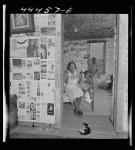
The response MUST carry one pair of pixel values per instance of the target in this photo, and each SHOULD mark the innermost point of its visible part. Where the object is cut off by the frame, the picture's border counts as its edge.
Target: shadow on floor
(17, 135)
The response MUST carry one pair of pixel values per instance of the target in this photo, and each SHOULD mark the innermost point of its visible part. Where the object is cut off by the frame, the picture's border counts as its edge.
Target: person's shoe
(80, 112)
(76, 111)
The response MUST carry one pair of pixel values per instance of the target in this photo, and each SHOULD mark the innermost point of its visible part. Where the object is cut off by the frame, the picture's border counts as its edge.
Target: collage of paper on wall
(32, 71)
(76, 51)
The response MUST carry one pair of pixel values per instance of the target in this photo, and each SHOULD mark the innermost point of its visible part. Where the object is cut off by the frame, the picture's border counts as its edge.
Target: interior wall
(97, 51)
(77, 52)
(81, 53)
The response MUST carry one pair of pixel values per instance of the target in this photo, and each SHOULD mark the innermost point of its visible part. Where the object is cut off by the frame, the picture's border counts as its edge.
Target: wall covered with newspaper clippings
(32, 71)
(76, 51)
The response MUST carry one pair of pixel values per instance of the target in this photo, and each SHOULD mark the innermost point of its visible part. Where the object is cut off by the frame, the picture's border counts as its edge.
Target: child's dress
(84, 85)
(72, 89)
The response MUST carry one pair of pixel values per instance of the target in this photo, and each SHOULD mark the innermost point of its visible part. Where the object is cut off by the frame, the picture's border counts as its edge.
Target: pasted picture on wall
(51, 69)
(43, 51)
(51, 16)
(21, 105)
(17, 76)
(30, 66)
(43, 47)
(51, 23)
(36, 75)
(47, 31)
(50, 109)
(29, 76)
(33, 48)
(16, 63)
(33, 111)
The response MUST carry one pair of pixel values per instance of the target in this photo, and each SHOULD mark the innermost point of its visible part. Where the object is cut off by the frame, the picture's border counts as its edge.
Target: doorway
(100, 115)
(103, 99)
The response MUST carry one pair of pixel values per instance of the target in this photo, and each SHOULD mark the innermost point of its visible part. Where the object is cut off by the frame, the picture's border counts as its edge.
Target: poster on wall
(13, 43)
(31, 111)
(51, 47)
(50, 109)
(44, 90)
(22, 90)
(51, 68)
(21, 110)
(21, 42)
(47, 31)
(38, 89)
(43, 69)
(37, 111)
(43, 48)
(36, 66)
(28, 87)
(18, 47)
(51, 23)
(16, 63)
(28, 112)
(31, 87)
(33, 47)
(43, 111)
(51, 16)
(18, 53)
(19, 66)
(29, 65)
(36, 75)
(17, 76)
(51, 90)
(43, 20)
(37, 25)
(14, 87)
(30, 76)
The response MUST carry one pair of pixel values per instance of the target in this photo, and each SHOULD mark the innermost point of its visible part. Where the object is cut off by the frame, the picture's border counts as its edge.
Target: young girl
(86, 84)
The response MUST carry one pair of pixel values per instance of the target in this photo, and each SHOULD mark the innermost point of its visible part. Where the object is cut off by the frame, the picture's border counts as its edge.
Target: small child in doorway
(86, 84)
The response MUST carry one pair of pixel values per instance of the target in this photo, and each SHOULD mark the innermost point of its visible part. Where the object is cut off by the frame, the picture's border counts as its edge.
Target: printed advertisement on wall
(21, 110)
(33, 47)
(18, 47)
(43, 48)
(51, 69)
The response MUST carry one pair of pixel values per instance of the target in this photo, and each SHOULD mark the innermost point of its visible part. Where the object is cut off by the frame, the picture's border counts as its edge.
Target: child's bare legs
(77, 103)
(84, 91)
(90, 92)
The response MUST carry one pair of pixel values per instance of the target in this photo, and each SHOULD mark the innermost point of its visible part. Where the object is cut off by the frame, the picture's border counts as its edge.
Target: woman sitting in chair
(71, 78)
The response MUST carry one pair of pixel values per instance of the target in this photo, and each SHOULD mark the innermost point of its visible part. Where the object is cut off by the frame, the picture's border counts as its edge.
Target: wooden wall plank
(122, 75)
(58, 72)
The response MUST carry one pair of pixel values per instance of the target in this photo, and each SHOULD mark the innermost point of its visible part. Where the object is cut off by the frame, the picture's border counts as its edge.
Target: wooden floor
(102, 104)
(98, 120)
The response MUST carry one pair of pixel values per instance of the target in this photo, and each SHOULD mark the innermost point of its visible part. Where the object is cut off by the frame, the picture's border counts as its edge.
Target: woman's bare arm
(79, 77)
(66, 77)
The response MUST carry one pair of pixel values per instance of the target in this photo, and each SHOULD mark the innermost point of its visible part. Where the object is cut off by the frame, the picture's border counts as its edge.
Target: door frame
(116, 124)
(104, 52)
(104, 58)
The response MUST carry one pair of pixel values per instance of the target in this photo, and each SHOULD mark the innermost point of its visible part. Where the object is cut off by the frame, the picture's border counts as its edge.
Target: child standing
(86, 84)
(94, 70)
